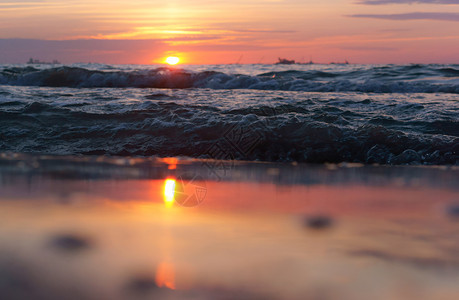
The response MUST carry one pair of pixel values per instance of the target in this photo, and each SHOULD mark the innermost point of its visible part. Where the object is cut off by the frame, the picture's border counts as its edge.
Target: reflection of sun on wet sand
(165, 276)
(350, 233)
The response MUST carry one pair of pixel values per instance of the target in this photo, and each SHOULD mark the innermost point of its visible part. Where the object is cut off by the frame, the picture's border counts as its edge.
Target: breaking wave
(375, 79)
(386, 114)
(269, 133)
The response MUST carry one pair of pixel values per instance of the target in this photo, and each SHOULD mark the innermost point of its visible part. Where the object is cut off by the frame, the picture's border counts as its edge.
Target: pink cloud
(436, 16)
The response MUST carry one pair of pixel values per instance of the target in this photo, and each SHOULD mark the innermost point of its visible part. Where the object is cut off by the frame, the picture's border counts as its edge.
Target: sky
(237, 31)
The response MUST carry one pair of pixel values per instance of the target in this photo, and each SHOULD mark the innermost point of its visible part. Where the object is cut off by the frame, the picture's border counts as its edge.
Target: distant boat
(340, 63)
(32, 61)
(284, 61)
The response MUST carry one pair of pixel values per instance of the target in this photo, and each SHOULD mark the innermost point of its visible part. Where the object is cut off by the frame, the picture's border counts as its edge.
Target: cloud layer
(437, 16)
(382, 2)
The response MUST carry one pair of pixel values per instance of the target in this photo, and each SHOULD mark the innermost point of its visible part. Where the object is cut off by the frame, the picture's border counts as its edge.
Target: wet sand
(100, 228)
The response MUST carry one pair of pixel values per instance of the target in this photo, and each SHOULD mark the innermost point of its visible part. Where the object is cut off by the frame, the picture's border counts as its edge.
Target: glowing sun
(172, 60)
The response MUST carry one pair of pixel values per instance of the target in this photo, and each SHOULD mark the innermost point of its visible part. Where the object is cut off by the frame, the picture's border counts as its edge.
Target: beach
(107, 228)
(229, 150)
(229, 182)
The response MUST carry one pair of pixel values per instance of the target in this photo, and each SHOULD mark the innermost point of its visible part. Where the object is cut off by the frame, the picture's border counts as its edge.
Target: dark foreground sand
(100, 228)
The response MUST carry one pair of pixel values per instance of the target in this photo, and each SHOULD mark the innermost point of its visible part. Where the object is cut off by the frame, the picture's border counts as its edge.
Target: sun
(172, 60)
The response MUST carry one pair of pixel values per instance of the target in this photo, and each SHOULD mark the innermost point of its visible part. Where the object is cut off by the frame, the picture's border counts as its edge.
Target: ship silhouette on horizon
(33, 61)
(284, 61)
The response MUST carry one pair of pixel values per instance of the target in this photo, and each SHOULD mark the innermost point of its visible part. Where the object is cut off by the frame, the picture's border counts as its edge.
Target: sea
(229, 182)
(311, 113)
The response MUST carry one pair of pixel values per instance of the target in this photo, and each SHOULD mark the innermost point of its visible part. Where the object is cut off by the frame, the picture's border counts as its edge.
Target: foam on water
(271, 125)
(323, 78)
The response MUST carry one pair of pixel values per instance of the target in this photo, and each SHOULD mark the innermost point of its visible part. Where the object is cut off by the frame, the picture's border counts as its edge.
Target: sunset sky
(245, 31)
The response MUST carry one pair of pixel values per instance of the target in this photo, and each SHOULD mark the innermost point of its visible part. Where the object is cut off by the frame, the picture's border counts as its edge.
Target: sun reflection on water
(169, 191)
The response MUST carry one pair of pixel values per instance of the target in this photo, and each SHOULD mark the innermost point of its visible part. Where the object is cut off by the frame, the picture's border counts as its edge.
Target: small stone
(70, 243)
(318, 222)
(142, 284)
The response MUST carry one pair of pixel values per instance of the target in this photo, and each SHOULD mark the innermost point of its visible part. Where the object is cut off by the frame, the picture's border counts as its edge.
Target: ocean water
(385, 114)
(87, 180)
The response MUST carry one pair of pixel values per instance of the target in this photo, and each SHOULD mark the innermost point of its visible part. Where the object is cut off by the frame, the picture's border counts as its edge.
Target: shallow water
(109, 228)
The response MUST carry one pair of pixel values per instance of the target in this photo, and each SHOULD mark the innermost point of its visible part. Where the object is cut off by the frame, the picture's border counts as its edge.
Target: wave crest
(400, 79)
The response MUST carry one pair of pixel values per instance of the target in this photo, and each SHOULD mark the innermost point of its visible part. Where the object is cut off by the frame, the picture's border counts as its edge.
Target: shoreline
(165, 228)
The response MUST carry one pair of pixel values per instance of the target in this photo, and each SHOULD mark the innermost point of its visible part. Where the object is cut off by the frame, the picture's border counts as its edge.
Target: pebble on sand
(70, 242)
(142, 284)
(318, 222)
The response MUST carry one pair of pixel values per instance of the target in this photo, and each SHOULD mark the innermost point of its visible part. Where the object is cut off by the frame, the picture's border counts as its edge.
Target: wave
(263, 133)
(378, 79)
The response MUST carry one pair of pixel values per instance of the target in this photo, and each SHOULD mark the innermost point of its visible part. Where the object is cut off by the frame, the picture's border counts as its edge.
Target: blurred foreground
(107, 228)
